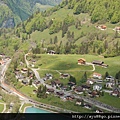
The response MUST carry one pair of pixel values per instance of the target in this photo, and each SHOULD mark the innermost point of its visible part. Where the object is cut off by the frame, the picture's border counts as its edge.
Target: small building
(63, 76)
(102, 27)
(50, 90)
(85, 87)
(48, 76)
(116, 92)
(90, 82)
(81, 61)
(117, 29)
(52, 52)
(56, 83)
(60, 93)
(110, 78)
(24, 70)
(97, 62)
(78, 90)
(69, 97)
(94, 93)
(79, 101)
(71, 84)
(88, 106)
(97, 75)
(97, 87)
(25, 82)
(110, 84)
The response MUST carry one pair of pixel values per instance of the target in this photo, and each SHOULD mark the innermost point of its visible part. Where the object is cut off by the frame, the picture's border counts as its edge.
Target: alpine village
(62, 56)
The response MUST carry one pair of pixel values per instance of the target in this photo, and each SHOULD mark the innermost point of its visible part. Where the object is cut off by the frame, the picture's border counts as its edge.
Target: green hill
(69, 30)
(14, 11)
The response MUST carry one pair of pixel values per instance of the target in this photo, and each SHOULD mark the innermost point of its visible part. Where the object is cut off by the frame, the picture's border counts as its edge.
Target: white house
(97, 87)
(110, 85)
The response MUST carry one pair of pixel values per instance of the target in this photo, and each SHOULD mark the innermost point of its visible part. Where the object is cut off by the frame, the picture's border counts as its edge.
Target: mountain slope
(15, 11)
(68, 28)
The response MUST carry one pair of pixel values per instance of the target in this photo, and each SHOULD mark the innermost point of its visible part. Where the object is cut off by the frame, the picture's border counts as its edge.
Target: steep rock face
(13, 12)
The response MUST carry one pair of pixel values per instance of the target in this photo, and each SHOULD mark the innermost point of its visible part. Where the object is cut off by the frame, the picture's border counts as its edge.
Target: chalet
(63, 76)
(102, 27)
(20, 77)
(116, 92)
(24, 70)
(110, 78)
(78, 90)
(110, 84)
(97, 75)
(50, 90)
(48, 76)
(34, 91)
(69, 97)
(36, 82)
(81, 61)
(64, 88)
(52, 52)
(99, 111)
(97, 87)
(87, 106)
(90, 82)
(117, 29)
(71, 84)
(60, 93)
(93, 93)
(97, 62)
(85, 87)
(79, 101)
(25, 82)
(56, 83)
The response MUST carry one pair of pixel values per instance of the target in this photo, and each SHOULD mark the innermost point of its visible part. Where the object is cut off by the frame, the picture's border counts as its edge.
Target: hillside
(67, 31)
(14, 11)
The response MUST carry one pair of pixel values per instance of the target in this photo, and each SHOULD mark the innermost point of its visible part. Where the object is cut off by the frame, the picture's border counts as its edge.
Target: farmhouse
(116, 92)
(24, 70)
(78, 90)
(56, 83)
(90, 82)
(50, 90)
(97, 62)
(79, 101)
(66, 75)
(48, 76)
(81, 61)
(52, 52)
(97, 75)
(102, 27)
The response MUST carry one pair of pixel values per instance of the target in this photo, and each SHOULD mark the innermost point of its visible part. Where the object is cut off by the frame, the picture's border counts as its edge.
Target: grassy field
(1, 107)
(55, 101)
(28, 90)
(68, 64)
(110, 100)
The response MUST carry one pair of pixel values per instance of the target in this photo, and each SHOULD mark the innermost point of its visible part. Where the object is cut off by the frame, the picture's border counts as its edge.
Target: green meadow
(68, 64)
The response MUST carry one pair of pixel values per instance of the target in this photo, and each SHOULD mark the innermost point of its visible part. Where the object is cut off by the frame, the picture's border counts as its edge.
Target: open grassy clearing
(27, 90)
(110, 100)
(68, 63)
(1, 107)
(52, 100)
